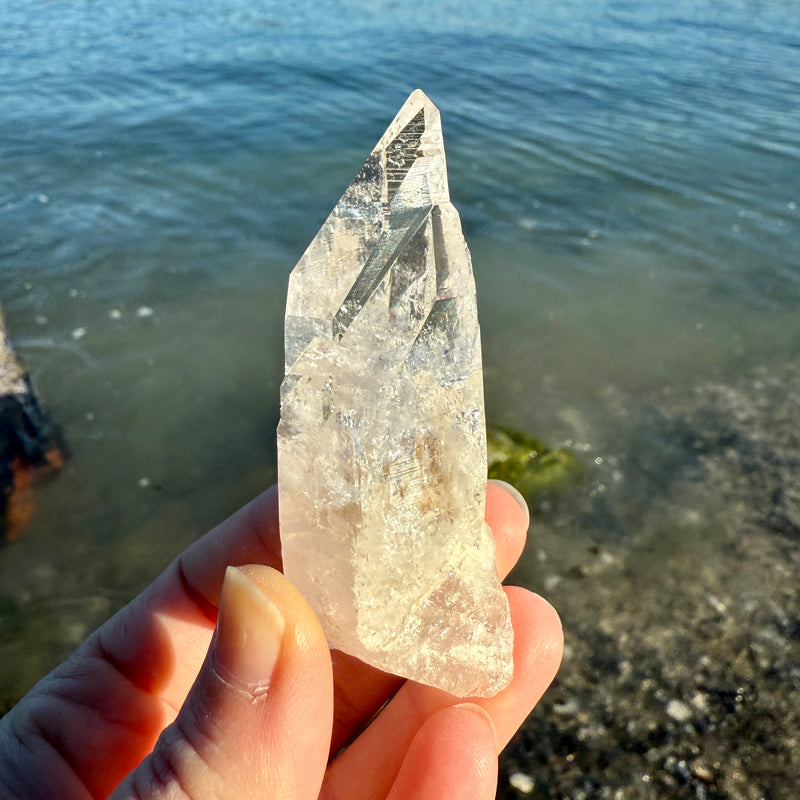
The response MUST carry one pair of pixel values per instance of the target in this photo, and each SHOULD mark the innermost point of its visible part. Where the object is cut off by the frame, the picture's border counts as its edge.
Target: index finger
(252, 536)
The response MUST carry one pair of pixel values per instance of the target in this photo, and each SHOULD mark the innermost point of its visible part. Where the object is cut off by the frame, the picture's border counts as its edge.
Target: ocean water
(628, 175)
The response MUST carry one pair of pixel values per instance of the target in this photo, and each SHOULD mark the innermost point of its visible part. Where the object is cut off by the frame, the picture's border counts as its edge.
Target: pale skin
(173, 698)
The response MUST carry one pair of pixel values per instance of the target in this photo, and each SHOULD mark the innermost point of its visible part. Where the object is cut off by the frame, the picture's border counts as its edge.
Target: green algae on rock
(527, 463)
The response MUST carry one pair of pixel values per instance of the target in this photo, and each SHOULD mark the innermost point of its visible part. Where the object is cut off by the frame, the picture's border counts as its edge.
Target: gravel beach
(682, 618)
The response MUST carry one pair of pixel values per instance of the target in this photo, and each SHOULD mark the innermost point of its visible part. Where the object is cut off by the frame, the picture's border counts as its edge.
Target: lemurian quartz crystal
(381, 442)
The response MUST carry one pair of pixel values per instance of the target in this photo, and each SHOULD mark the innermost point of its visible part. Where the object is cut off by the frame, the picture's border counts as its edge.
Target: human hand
(218, 684)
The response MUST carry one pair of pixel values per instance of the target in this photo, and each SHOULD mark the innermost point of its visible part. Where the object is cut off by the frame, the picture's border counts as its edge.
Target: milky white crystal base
(381, 443)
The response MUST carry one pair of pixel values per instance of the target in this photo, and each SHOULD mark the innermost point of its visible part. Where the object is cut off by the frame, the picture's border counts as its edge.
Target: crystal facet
(381, 443)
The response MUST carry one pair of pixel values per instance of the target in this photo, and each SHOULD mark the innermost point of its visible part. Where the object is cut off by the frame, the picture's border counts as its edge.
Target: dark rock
(30, 442)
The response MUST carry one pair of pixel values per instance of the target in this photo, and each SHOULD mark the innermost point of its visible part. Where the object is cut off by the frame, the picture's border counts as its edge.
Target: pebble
(716, 603)
(699, 702)
(679, 711)
(702, 771)
(75, 633)
(607, 559)
(551, 581)
(569, 708)
(521, 781)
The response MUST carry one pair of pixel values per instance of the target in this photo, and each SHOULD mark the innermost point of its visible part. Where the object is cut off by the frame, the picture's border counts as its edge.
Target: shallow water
(628, 175)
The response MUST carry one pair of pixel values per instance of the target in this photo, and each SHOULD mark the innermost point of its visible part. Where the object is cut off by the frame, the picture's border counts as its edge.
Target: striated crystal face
(381, 443)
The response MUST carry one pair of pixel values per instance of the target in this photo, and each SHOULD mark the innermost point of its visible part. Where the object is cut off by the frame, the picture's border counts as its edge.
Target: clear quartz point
(382, 442)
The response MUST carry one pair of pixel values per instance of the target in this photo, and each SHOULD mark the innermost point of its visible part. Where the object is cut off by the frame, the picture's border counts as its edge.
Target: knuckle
(180, 766)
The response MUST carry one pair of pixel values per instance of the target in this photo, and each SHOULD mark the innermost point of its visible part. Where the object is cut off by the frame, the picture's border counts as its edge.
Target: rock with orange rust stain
(30, 442)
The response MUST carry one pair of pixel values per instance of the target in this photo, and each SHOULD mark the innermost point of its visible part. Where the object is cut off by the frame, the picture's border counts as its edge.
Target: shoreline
(686, 684)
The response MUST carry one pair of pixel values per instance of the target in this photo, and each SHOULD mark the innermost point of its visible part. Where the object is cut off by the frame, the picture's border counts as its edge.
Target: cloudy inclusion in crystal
(381, 443)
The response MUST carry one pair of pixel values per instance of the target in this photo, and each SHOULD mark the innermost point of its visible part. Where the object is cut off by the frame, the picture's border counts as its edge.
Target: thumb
(257, 721)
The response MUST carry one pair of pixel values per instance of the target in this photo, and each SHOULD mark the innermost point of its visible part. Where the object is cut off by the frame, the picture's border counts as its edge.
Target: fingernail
(249, 634)
(481, 712)
(514, 492)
